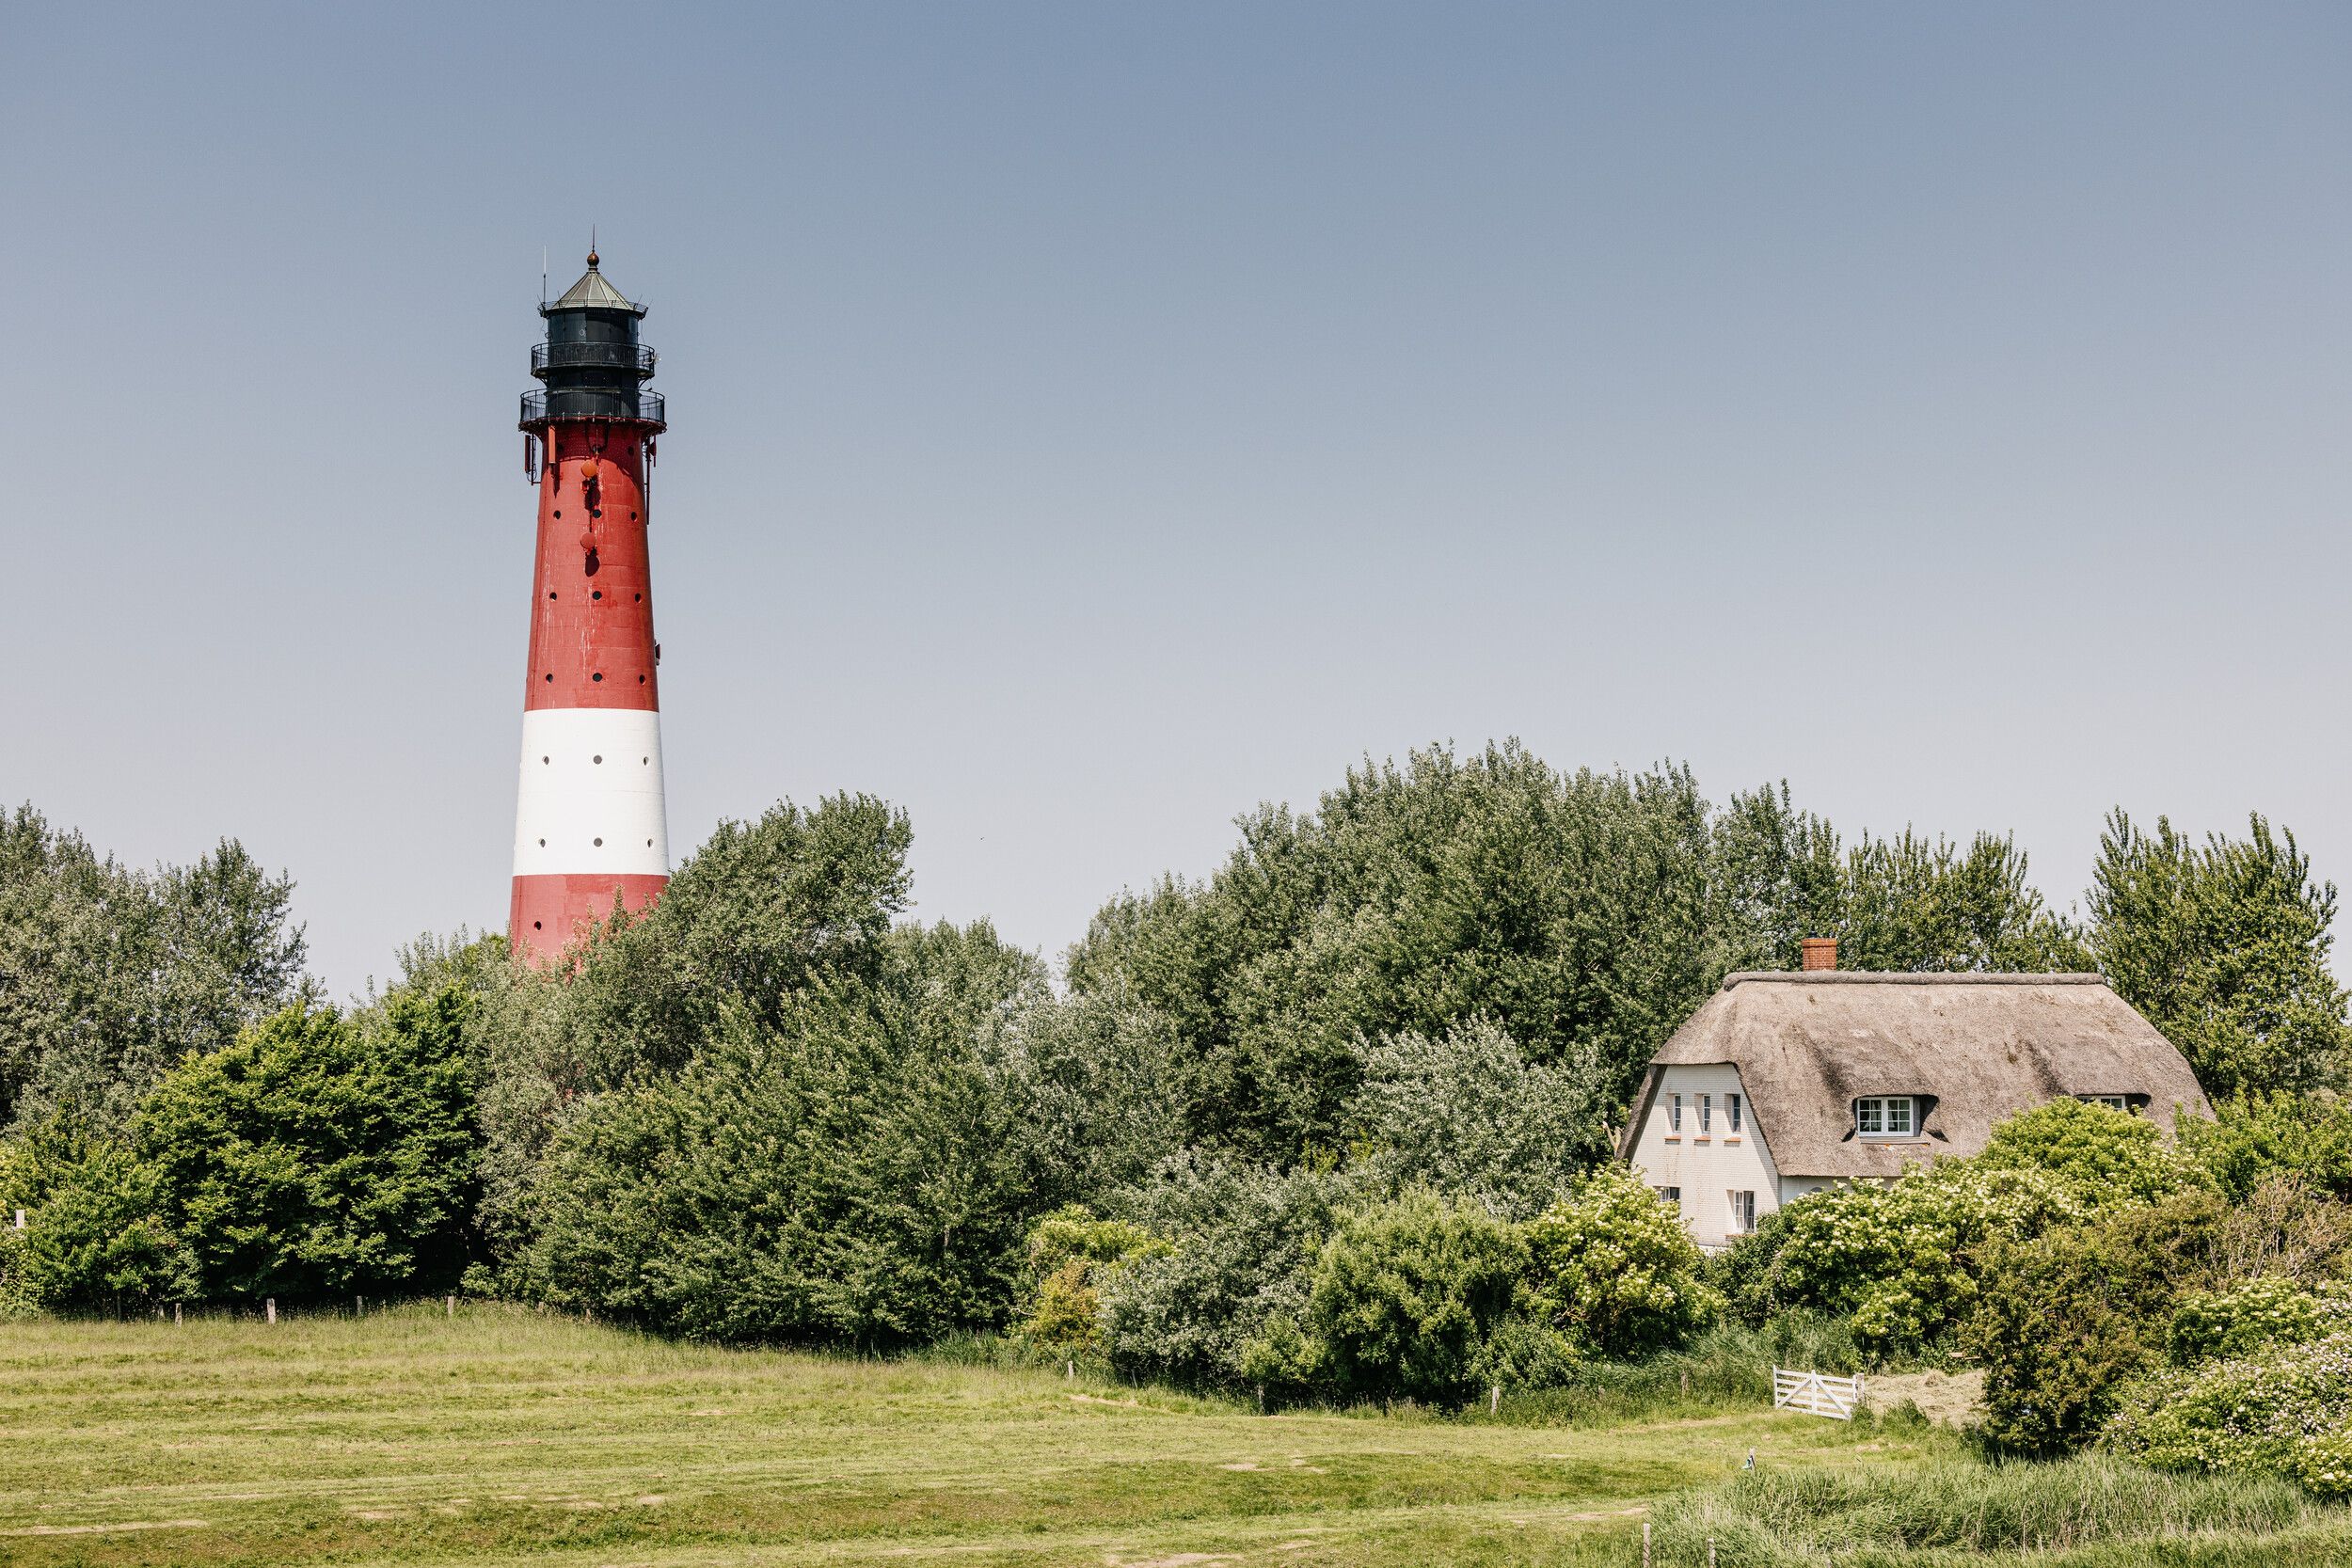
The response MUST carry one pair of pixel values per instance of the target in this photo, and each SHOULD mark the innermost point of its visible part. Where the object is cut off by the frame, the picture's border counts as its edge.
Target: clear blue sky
(1090, 421)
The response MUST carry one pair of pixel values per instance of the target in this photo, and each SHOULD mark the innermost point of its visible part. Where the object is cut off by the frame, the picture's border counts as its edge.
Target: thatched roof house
(1785, 1082)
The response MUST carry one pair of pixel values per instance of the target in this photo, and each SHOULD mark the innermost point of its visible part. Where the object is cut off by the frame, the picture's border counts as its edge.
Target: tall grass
(1727, 1365)
(1962, 1507)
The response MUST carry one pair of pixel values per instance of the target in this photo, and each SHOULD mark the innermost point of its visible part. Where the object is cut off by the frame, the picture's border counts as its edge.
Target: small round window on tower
(598, 594)
(599, 843)
(550, 674)
(536, 927)
(597, 677)
(599, 760)
(550, 592)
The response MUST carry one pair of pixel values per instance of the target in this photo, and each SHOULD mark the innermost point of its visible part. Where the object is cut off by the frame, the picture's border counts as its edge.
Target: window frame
(1882, 1107)
(1732, 1106)
(1706, 1113)
(1742, 1211)
(1674, 1114)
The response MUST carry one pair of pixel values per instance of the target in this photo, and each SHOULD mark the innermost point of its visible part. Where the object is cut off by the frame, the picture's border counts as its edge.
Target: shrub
(17, 1299)
(1747, 1273)
(1069, 1253)
(1405, 1296)
(1245, 1240)
(2108, 1156)
(1899, 1257)
(2064, 1320)
(2286, 1227)
(316, 1158)
(97, 1233)
(1613, 1270)
(2251, 1137)
(2285, 1412)
(2250, 1318)
(856, 1173)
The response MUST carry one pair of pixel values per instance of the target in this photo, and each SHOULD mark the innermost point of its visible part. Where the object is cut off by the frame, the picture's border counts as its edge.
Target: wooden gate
(1817, 1394)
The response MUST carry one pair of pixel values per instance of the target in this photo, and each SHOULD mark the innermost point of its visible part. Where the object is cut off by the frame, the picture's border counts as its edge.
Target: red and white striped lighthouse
(589, 827)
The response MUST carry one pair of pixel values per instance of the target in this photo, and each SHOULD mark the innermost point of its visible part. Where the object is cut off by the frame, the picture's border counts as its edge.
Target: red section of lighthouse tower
(590, 834)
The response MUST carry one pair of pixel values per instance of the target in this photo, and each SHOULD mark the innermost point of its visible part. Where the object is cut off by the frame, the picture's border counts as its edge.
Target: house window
(1742, 1211)
(1706, 1113)
(1885, 1116)
(1669, 1194)
(1731, 1105)
(1673, 1112)
(2112, 1102)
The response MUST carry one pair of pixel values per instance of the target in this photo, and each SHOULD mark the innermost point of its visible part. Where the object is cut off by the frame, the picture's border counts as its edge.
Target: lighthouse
(589, 825)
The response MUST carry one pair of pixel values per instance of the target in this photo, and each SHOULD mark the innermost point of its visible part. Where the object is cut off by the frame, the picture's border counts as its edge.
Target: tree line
(1387, 1039)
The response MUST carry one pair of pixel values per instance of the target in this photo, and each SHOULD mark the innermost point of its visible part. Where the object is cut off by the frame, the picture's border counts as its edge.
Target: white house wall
(1710, 1167)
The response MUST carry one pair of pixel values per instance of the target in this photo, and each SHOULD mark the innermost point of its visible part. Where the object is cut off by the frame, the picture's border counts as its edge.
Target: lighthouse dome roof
(591, 292)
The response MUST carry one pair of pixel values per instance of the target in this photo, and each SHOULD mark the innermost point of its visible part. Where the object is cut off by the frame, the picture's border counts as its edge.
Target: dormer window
(1887, 1116)
(2112, 1102)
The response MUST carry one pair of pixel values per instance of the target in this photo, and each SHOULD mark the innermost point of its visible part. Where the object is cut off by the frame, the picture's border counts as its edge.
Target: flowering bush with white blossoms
(1898, 1257)
(2287, 1411)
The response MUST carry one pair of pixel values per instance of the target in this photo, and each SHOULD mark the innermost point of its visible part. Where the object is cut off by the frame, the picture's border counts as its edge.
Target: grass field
(503, 1436)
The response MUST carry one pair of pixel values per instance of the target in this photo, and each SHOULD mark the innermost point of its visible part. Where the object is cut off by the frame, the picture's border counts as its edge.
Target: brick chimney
(1819, 953)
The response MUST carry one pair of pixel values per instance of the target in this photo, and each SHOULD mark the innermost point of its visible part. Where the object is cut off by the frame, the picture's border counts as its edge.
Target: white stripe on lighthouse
(591, 795)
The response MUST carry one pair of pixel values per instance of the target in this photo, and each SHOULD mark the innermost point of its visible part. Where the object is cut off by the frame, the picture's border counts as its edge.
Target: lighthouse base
(551, 911)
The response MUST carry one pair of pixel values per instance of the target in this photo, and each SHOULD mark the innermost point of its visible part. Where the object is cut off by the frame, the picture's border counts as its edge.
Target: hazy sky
(1090, 420)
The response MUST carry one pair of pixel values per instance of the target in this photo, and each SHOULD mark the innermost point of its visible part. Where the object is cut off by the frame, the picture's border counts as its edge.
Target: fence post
(1646, 1543)
(175, 1314)
(1710, 1552)
(1494, 1400)
(269, 1309)
(20, 1219)
(449, 1307)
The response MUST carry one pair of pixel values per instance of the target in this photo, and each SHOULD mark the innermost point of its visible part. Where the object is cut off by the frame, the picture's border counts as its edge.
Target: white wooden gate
(1837, 1397)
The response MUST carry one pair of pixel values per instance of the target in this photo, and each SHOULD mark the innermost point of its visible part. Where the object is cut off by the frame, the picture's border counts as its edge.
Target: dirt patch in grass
(1949, 1399)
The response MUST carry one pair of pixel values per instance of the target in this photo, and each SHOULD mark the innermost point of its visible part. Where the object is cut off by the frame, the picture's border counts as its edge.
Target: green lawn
(503, 1436)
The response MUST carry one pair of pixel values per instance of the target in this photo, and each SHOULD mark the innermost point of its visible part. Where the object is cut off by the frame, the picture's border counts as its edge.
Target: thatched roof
(1981, 1046)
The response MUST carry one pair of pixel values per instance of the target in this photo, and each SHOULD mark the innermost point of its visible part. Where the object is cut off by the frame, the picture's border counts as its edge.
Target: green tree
(316, 1157)
(1468, 1115)
(1405, 1295)
(1776, 875)
(2064, 1320)
(1244, 1241)
(853, 1170)
(1568, 909)
(2253, 1135)
(2108, 1156)
(98, 1232)
(1910, 904)
(764, 917)
(2225, 947)
(1613, 1270)
(109, 976)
